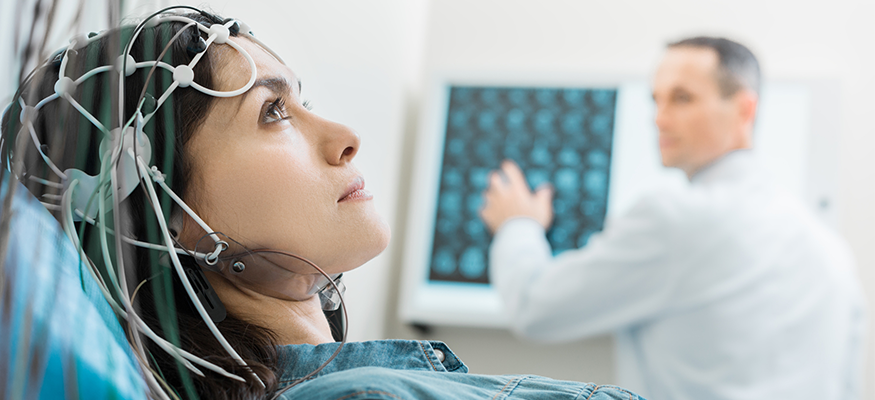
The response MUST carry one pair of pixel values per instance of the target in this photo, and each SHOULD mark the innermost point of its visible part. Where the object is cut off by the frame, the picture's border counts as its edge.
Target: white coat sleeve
(624, 275)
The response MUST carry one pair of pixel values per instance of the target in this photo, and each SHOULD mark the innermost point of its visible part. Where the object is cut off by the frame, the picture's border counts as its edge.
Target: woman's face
(270, 174)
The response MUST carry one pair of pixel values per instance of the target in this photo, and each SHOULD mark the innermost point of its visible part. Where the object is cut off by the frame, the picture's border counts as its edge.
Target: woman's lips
(356, 191)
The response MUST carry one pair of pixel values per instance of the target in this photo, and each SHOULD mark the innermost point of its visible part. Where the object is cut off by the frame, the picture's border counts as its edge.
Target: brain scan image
(558, 135)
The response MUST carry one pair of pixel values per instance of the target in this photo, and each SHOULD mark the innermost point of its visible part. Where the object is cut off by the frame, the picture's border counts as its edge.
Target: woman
(238, 209)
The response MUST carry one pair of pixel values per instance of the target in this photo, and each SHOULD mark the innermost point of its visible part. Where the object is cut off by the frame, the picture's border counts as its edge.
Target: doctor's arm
(623, 276)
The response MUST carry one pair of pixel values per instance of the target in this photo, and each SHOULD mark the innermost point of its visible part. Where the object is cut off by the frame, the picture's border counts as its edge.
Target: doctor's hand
(509, 196)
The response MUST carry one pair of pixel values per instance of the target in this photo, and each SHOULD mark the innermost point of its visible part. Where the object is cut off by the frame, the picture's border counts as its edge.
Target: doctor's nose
(662, 119)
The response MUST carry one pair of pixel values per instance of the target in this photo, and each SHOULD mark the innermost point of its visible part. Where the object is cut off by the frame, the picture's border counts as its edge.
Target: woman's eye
(275, 111)
(307, 105)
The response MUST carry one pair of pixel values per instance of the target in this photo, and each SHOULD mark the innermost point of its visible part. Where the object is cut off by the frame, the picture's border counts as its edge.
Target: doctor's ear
(746, 105)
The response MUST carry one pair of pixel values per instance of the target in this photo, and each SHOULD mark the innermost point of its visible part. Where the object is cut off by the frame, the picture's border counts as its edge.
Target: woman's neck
(293, 322)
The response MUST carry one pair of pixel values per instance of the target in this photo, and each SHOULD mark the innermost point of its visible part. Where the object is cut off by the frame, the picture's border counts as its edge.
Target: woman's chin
(385, 235)
(375, 244)
(369, 248)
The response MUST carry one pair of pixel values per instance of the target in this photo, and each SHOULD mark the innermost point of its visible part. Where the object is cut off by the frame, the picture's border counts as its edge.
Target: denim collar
(298, 360)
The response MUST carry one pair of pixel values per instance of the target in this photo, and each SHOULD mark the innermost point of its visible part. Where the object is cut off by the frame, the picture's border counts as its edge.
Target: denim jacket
(407, 369)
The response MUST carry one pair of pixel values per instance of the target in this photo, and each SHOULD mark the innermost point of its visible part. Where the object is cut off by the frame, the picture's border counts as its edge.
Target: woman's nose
(338, 142)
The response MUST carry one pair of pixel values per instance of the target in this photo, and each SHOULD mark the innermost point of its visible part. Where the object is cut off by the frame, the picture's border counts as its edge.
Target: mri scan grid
(557, 135)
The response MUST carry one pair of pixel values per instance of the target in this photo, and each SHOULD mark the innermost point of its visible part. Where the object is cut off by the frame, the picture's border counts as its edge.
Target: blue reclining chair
(59, 336)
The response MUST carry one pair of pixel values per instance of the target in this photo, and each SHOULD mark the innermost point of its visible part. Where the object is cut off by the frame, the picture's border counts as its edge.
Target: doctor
(727, 289)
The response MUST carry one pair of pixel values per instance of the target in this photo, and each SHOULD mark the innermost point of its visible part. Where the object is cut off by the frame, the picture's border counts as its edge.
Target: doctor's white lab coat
(727, 289)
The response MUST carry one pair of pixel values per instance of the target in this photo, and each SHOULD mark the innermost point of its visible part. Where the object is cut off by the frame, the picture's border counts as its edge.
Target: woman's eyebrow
(278, 85)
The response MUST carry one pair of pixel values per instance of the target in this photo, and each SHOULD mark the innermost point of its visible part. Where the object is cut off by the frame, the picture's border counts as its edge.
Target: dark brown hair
(737, 66)
(71, 141)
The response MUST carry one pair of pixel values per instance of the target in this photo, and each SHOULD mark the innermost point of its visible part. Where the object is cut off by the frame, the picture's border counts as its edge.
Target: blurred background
(368, 64)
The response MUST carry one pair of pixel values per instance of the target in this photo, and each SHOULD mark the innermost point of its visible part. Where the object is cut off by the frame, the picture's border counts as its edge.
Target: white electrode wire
(155, 386)
(117, 151)
(185, 282)
(22, 132)
(157, 176)
(64, 58)
(159, 214)
(98, 191)
(52, 196)
(116, 220)
(178, 18)
(39, 149)
(85, 113)
(6, 111)
(245, 55)
(161, 247)
(138, 243)
(93, 72)
(160, 56)
(155, 19)
(70, 229)
(179, 354)
(75, 104)
(46, 182)
(184, 357)
(262, 45)
(53, 207)
(102, 182)
(120, 259)
(161, 100)
(98, 36)
(46, 100)
(28, 120)
(167, 346)
(159, 179)
(149, 64)
(215, 93)
(79, 42)
(119, 148)
(122, 75)
(104, 245)
(125, 54)
(164, 248)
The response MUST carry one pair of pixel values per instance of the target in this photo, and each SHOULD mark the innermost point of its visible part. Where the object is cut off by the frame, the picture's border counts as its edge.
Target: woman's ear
(176, 222)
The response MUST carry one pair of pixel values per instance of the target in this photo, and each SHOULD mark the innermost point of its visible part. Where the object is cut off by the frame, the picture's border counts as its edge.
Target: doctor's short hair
(737, 67)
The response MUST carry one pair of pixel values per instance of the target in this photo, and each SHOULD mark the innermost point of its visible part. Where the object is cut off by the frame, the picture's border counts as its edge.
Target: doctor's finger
(515, 175)
(492, 197)
(497, 182)
(544, 197)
